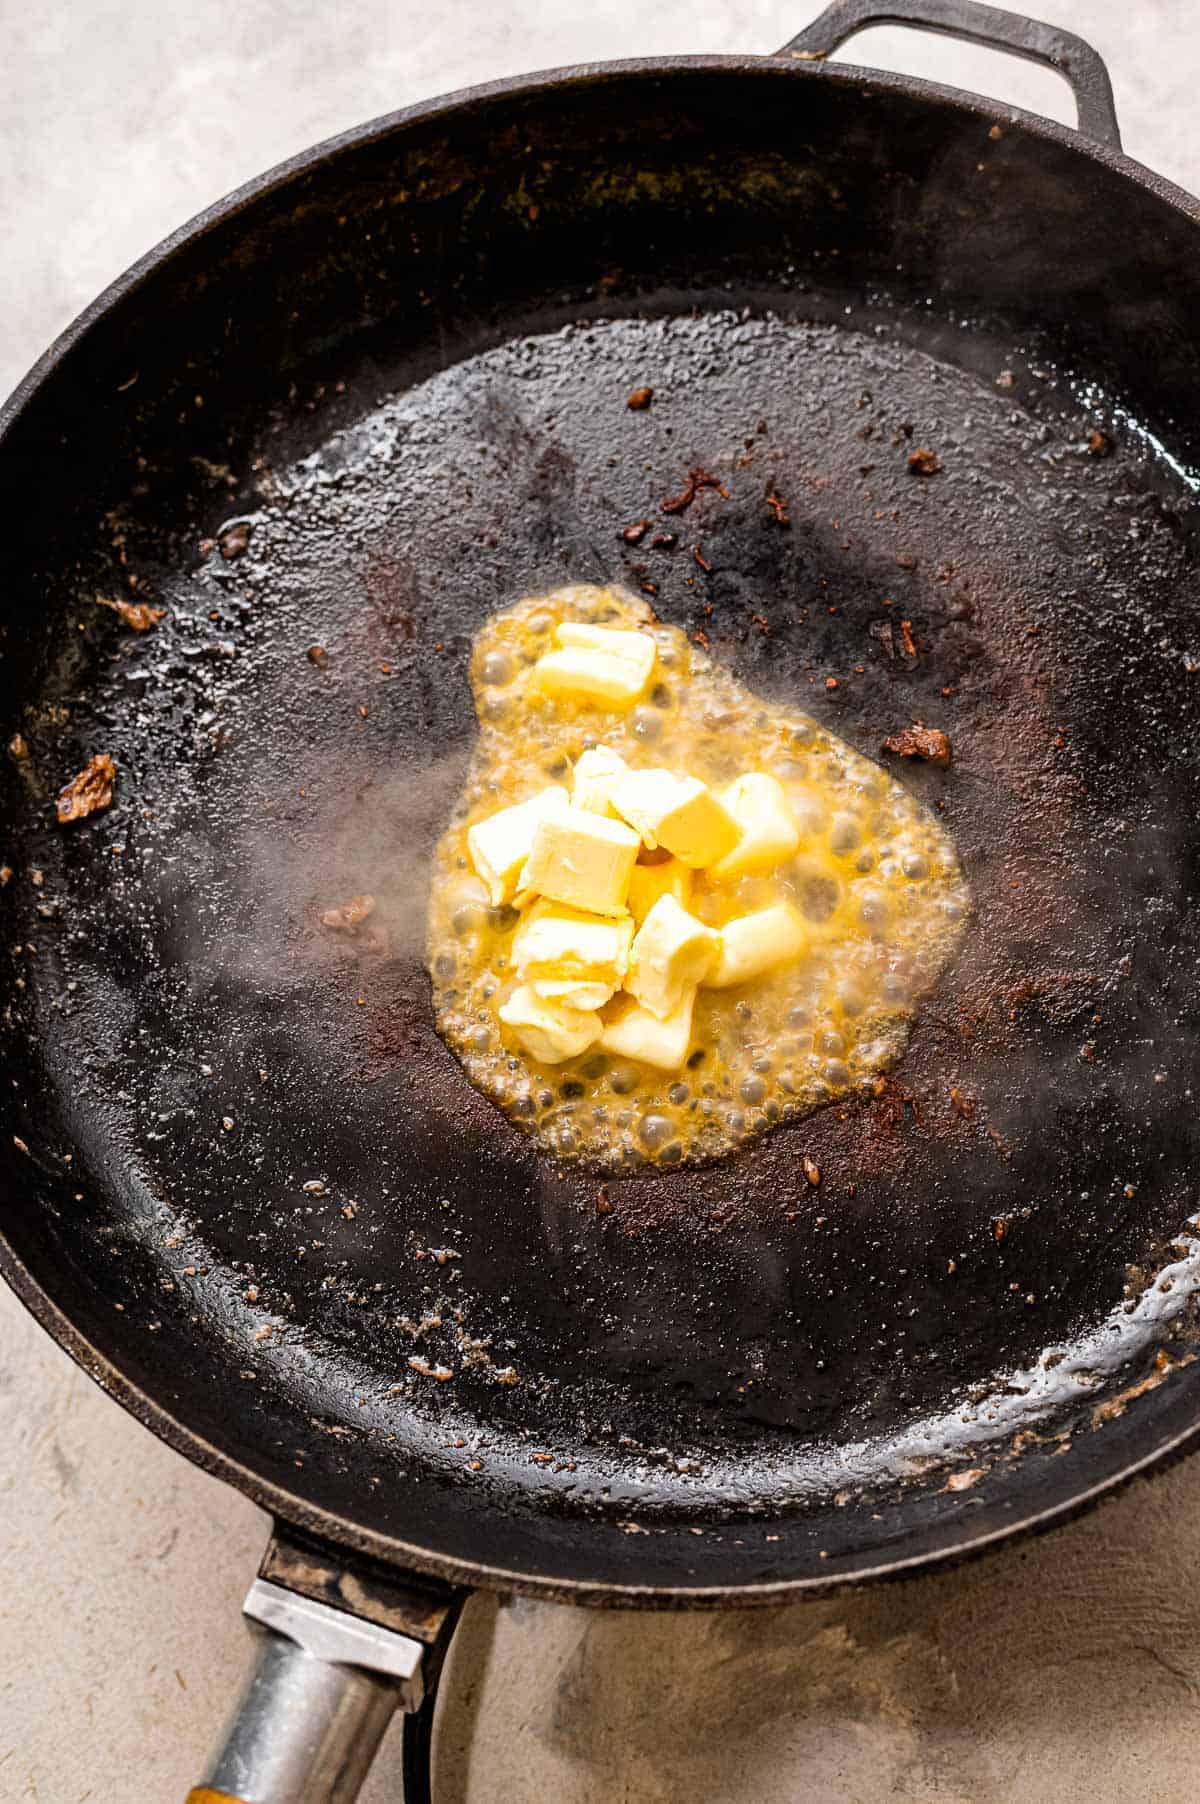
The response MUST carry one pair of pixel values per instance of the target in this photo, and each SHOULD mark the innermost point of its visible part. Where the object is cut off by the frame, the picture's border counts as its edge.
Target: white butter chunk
(595, 773)
(613, 641)
(754, 943)
(599, 664)
(558, 944)
(581, 859)
(549, 1031)
(679, 813)
(571, 993)
(634, 1033)
(499, 845)
(671, 954)
(767, 831)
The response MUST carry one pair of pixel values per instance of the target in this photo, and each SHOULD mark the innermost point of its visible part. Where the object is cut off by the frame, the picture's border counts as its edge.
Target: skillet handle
(326, 1680)
(1080, 66)
(305, 1730)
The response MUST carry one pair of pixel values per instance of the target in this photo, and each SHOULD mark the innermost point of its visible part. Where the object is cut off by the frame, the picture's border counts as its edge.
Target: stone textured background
(1063, 1672)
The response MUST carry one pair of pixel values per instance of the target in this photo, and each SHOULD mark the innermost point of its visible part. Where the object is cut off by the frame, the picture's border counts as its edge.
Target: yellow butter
(595, 773)
(679, 813)
(650, 881)
(768, 834)
(564, 944)
(571, 993)
(752, 944)
(671, 954)
(581, 859)
(612, 641)
(549, 1031)
(499, 845)
(634, 1033)
(596, 664)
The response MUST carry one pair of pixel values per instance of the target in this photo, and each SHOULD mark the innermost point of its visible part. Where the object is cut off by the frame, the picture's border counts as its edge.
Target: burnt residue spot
(396, 594)
(697, 479)
(139, 615)
(777, 507)
(347, 917)
(929, 744)
(233, 540)
(90, 791)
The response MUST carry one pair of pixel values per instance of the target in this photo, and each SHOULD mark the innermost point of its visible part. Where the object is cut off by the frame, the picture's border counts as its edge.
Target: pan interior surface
(243, 1162)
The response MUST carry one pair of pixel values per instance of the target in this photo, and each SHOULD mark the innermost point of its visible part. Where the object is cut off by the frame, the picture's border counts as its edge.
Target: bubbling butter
(834, 900)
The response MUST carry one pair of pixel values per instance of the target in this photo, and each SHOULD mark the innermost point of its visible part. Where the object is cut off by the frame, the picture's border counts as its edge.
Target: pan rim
(270, 1496)
(348, 1536)
(845, 75)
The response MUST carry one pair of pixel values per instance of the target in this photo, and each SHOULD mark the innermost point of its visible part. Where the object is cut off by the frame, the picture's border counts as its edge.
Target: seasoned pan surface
(285, 1215)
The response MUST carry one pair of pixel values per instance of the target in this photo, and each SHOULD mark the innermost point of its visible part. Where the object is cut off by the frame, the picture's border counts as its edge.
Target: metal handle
(1079, 65)
(306, 1728)
(337, 1654)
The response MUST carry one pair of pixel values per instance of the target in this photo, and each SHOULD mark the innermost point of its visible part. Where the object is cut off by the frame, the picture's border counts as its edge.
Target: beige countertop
(1061, 1672)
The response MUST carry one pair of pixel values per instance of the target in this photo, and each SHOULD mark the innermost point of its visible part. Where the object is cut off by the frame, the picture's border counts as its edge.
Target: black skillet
(329, 427)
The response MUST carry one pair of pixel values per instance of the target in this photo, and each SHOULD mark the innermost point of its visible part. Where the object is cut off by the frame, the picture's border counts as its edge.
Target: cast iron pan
(358, 406)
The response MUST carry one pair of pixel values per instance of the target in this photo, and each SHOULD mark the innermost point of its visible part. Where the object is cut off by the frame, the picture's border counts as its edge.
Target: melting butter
(875, 880)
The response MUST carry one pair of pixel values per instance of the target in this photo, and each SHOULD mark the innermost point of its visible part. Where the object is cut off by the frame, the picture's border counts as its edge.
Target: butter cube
(596, 664)
(499, 845)
(573, 994)
(613, 641)
(759, 806)
(752, 944)
(581, 859)
(676, 812)
(650, 881)
(672, 953)
(562, 945)
(595, 773)
(634, 1033)
(549, 1031)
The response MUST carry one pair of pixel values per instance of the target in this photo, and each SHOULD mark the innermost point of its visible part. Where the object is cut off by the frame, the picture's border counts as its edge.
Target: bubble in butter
(876, 879)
